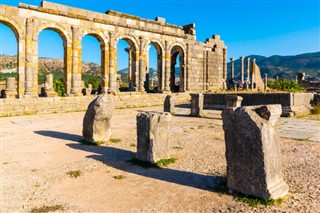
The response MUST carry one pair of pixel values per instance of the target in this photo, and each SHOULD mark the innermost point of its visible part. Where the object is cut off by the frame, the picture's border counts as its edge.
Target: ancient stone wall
(202, 65)
(47, 105)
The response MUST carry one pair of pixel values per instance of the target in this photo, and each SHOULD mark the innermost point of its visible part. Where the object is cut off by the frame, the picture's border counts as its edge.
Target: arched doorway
(177, 74)
(92, 50)
(154, 75)
(127, 65)
(51, 60)
(8, 54)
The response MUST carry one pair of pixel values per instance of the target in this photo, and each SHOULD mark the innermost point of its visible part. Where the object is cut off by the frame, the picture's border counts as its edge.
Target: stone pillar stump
(10, 91)
(196, 104)
(153, 136)
(253, 151)
(168, 105)
(233, 101)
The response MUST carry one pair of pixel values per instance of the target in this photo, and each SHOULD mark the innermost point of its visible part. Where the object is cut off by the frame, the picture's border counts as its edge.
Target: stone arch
(19, 32)
(17, 29)
(104, 47)
(160, 63)
(176, 44)
(66, 36)
(177, 85)
(133, 61)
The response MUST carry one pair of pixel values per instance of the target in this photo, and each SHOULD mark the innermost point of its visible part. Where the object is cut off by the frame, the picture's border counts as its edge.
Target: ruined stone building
(202, 65)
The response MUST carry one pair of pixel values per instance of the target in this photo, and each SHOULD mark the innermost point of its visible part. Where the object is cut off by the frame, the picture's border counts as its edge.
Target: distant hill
(8, 63)
(286, 66)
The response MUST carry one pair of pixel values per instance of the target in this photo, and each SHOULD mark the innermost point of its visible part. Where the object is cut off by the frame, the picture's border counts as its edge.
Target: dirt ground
(37, 152)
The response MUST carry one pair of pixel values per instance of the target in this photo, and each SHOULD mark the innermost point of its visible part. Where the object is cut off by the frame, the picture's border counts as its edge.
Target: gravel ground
(37, 152)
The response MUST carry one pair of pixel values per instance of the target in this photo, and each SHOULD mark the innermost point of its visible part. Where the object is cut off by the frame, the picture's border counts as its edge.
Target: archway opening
(91, 62)
(127, 79)
(154, 71)
(51, 60)
(177, 70)
(8, 54)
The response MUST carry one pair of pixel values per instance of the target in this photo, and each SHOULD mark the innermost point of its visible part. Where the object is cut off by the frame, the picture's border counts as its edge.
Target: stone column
(142, 65)
(242, 68)
(265, 81)
(76, 61)
(48, 86)
(187, 77)
(152, 136)
(248, 68)
(11, 90)
(233, 101)
(68, 67)
(253, 151)
(232, 67)
(253, 74)
(169, 104)
(30, 64)
(167, 58)
(112, 62)
(21, 65)
(196, 104)
(105, 68)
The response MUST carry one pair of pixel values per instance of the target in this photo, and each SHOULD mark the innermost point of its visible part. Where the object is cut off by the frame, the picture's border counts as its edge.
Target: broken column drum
(153, 136)
(196, 104)
(169, 104)
(253, 151)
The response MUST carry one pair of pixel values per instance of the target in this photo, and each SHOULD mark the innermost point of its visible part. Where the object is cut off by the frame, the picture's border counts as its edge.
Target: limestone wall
(29, 106)
(298, 103)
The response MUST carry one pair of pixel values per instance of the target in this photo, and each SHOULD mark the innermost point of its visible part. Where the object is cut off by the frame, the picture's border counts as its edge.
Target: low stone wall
(292, 103)
(47, 105)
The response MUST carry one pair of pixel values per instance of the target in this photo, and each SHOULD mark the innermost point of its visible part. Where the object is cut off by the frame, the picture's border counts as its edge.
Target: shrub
(283, 84)
(58, 86)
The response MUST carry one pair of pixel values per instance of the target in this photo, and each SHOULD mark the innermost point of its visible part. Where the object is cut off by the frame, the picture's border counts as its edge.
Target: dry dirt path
(37, 152)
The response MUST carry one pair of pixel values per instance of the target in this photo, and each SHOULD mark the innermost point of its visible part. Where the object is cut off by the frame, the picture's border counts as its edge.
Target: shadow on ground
(117, 158)
(59, 135)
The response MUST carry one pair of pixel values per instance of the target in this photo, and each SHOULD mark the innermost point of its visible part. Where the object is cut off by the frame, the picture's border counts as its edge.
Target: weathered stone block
(196, 104)
(153, 136)
(233, 101)
(97, 120)
(169, 104)
(253, 151)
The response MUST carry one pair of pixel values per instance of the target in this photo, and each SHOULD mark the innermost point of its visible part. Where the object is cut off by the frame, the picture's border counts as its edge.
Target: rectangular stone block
(253, 151)
(152, 136)
(196, 104)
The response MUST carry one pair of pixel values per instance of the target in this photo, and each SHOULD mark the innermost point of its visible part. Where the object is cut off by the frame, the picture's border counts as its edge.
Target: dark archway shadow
(59, 135)
(118, 158)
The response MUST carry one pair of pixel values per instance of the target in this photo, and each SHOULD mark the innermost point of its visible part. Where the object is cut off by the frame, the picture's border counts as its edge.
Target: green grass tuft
(74, 174)
(44, 209)
(166, 162)
(115, 140)
(119, 177)
(97, 143)
(255, 201)
(316, 109)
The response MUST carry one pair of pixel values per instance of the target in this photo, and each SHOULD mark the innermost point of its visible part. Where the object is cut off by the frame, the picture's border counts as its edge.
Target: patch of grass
(177, 147)
(44, 209)
(74, 174)
(115, 140)
(200, 126)
(5, 163)
(97, 143)
(34, 170)
(166, 162)
(133, 145)
(37, 185)
(254, 201)
(119, 177)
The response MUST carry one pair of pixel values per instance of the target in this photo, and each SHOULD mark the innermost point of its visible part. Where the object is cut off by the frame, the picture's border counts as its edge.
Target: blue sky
(263, 27)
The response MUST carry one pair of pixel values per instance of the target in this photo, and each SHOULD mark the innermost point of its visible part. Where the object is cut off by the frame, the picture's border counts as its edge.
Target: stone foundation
(47, 105)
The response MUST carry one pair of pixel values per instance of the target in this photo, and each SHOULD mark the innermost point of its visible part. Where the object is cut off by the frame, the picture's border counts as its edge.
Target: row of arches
(175, 54)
